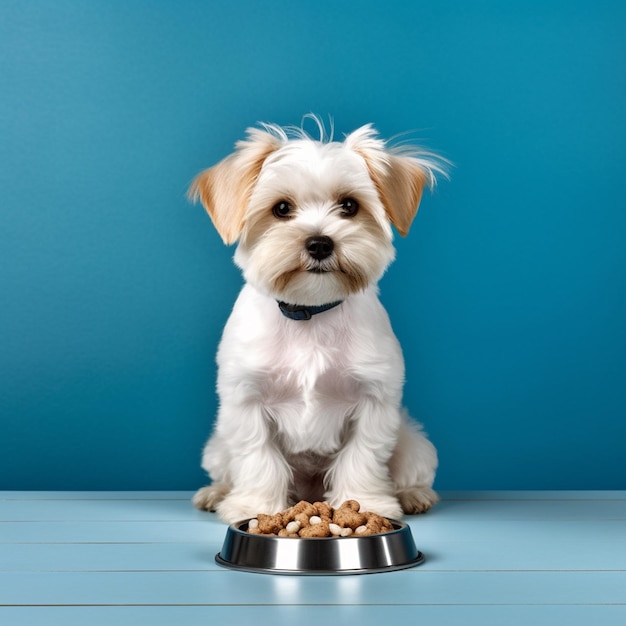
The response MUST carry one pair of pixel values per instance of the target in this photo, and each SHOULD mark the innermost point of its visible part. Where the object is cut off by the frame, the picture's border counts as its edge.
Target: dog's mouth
(325, 266)
(341, 279)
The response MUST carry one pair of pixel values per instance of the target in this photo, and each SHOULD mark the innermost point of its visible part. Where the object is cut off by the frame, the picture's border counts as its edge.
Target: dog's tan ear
(225, 188)
(400, 189)
(399, 178)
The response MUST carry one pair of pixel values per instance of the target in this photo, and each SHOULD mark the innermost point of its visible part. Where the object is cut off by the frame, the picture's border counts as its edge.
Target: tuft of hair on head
(285, 133)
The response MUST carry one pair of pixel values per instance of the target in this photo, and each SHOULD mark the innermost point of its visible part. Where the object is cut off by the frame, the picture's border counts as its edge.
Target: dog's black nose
(319, 247)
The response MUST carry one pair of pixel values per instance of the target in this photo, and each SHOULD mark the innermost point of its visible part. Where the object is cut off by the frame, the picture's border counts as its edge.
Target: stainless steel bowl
(386, 552)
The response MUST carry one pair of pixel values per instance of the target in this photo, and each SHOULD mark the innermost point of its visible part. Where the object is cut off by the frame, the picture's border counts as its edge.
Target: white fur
(312, 409)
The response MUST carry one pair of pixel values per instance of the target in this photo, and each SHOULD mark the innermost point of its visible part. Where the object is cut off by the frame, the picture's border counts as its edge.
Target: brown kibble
(348, 516)
(345, 521)
(302, 507)
(352, 505)
(289, 515)
(376, 525)
(315, 530)
(324, 510)
(269, 523)
(303, 518)
(304, 511)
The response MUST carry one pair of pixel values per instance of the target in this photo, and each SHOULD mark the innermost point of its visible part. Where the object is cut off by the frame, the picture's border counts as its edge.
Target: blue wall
(509, 295)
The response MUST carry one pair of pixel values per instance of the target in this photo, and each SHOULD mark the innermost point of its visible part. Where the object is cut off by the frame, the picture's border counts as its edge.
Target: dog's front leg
(259, 473)
(360, 469)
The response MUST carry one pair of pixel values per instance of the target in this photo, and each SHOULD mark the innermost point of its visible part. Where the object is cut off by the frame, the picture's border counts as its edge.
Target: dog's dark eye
(349, 207)
(282, 209)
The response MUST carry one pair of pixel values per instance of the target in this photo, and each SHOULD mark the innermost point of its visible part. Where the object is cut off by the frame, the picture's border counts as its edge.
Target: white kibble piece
(335, 529)
(293, 527)
(315, 519)
(360, 530)
(346, 532)
(253, 523)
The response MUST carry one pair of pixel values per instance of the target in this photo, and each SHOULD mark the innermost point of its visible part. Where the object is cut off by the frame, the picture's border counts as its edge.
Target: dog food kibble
(320, 520)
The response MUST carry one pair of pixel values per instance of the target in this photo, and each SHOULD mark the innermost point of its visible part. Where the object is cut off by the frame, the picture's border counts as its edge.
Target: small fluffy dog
(310, 373)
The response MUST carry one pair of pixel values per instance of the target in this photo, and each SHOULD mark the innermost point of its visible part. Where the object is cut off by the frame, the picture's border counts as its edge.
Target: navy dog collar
(300, 313)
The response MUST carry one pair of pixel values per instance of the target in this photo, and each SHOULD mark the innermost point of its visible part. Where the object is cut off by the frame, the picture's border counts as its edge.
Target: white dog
(310, 373)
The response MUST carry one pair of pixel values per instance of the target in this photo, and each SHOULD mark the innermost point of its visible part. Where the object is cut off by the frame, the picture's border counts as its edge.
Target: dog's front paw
(417, 499)
(235, 508)
(383, 505)
(207, 498)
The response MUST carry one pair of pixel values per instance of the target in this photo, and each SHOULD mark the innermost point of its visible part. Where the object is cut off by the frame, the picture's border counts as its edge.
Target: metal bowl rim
(399, 526)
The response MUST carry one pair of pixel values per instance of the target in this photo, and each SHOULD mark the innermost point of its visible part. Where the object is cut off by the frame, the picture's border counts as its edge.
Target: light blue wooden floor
(147, 558)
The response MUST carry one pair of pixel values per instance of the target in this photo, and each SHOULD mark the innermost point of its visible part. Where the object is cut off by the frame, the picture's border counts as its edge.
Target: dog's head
(313, 217)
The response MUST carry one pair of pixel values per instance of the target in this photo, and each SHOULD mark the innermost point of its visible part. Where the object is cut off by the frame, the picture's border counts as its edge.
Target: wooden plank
(187, 495)
(101, 510)
(530, 510)
(598, 494)
(442, 615)
(178, 510)
(96, 495)
(540, 554)
(409, 587)
(111, 532)
(425, 529)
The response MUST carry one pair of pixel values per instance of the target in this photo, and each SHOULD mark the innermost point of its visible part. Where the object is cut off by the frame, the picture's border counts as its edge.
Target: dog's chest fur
(302, 373)
(310, 392)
